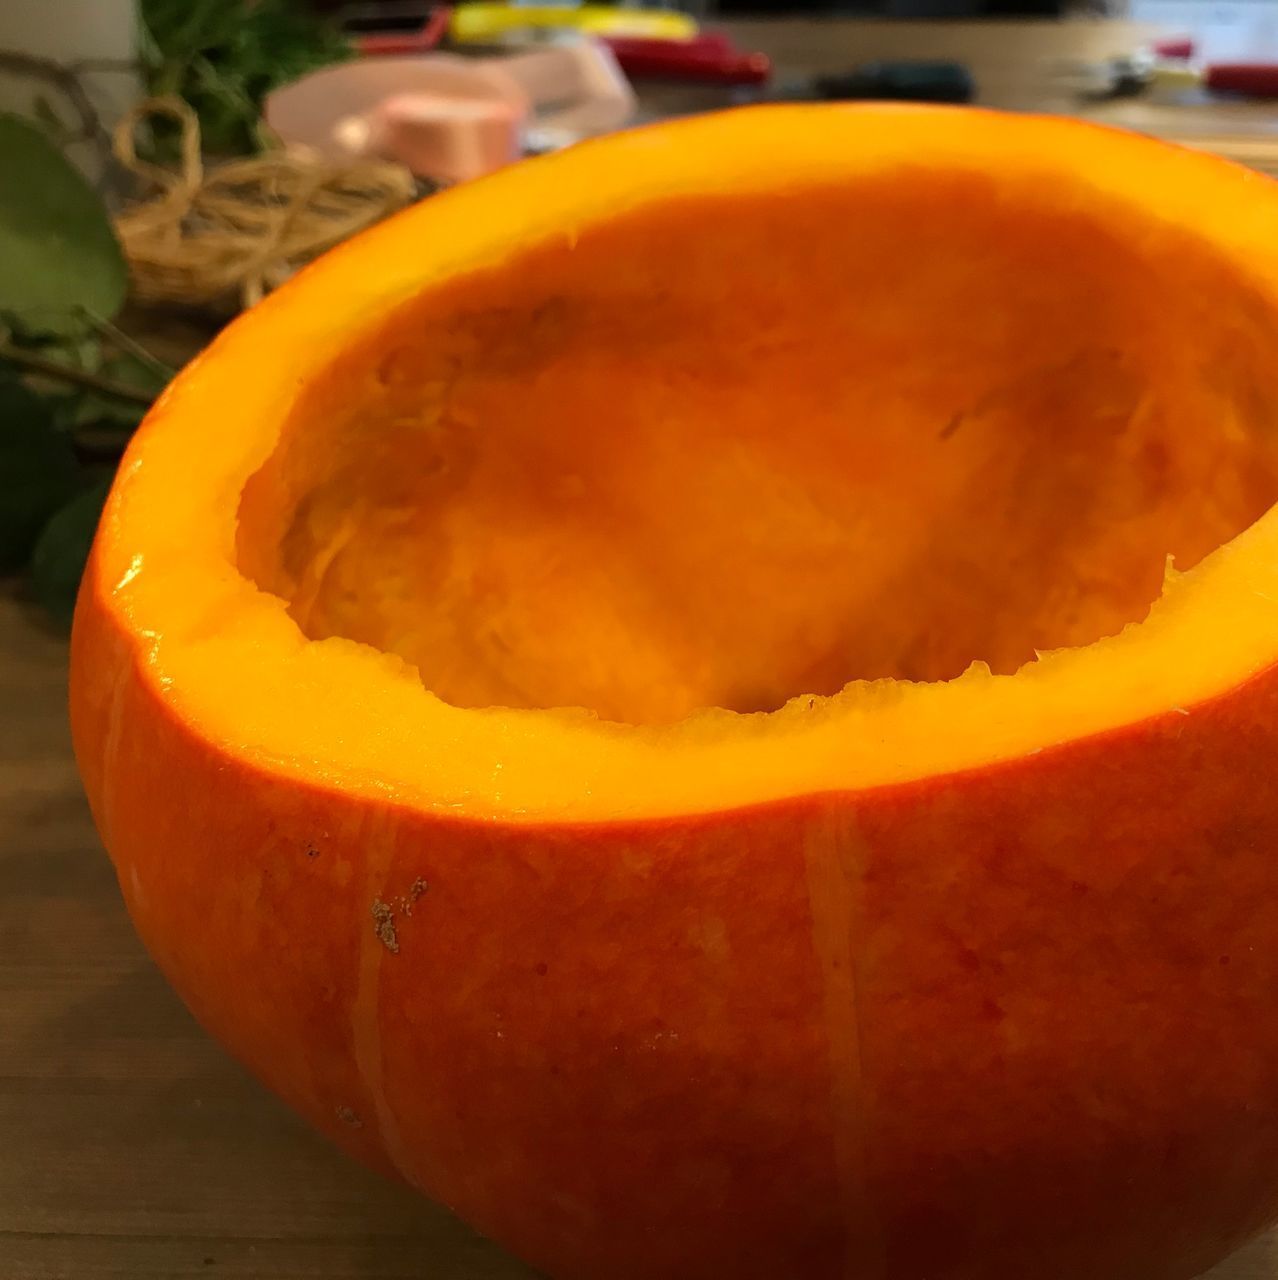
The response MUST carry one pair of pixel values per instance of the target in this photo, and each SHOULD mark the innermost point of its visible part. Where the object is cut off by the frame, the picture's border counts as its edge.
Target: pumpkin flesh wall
(412, 718)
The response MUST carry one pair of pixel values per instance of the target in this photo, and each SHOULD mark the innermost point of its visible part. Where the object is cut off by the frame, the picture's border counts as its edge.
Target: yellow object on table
(490, 23)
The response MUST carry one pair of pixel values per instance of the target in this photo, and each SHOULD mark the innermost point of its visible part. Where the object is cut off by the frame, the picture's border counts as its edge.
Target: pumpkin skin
(966, 977)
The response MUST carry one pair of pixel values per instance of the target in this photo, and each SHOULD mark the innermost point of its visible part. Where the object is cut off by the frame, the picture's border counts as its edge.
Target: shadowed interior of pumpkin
(727, 450)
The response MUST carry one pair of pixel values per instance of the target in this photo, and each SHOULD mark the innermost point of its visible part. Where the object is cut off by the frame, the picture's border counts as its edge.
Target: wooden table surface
(130, 1146)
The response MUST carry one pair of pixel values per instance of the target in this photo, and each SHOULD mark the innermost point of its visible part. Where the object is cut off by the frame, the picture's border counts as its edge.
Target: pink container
(446, 118)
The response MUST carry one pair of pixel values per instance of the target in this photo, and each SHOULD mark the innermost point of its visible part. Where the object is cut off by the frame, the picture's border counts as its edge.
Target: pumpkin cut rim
(230, 666)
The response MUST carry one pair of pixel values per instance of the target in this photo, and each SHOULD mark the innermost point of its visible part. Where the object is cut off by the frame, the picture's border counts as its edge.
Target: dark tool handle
(900, 82)
(706, 60)
(1254, 79)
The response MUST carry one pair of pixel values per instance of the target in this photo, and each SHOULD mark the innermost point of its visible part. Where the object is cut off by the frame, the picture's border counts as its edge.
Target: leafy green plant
(224, 56)
(61, 254)
(57, 560)
(72, 386)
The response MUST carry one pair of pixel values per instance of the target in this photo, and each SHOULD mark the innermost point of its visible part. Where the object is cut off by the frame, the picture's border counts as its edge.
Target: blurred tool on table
(675, 65)
(536, 77)
(1170, 66)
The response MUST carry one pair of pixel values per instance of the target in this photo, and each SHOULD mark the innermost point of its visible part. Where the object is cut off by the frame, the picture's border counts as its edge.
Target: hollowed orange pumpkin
(558, 682)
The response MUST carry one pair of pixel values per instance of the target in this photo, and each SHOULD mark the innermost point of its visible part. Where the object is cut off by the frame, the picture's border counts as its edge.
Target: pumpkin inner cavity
(723, 452)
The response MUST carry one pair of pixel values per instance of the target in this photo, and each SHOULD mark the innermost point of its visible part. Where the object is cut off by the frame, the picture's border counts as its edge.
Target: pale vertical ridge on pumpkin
(833, 851)
(378, 844)
(115, 703)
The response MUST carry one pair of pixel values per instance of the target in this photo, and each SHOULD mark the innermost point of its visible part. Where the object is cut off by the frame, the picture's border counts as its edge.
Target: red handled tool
(708, 58)
(1250, 79)
(421, 39)
(1168, 64)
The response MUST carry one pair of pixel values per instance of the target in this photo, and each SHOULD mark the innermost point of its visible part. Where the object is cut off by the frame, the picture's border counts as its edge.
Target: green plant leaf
(38, 471)
(57, 564)
(58, 253)
(224, 56)
(92, 409)
(65, 409)
(134, 372)
(100, 409)
(82, 354)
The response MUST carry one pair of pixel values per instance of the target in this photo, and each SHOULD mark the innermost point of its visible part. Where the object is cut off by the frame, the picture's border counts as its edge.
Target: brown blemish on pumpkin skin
(347, 1116)
(384, 914)
(384, 926)
(415, 891)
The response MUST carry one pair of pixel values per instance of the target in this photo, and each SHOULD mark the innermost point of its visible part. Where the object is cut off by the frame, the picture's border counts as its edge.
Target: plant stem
(121, 65)
(126, 343)
(80, 377)
(65, 79)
